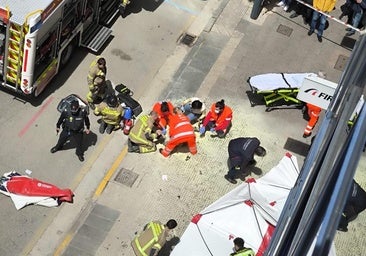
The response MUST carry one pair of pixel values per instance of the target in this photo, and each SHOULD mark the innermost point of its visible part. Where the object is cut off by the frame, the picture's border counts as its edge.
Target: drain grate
(284, 30)
(126, 177)
(187, 39)
(341, 62)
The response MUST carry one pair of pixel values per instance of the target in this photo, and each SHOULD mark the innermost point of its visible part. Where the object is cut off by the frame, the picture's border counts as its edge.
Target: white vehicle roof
(20, 9)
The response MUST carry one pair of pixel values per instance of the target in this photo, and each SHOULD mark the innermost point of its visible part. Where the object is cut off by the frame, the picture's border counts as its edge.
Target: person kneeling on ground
(180, 132)
(194, 109)
(217, 120)
(144, 135)
(241, 155)
(111, 113)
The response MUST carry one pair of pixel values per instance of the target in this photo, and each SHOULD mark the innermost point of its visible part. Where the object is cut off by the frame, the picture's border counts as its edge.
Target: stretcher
(279, 90)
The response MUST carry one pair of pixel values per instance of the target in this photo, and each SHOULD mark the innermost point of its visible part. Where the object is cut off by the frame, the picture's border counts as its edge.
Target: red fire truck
(37, 38)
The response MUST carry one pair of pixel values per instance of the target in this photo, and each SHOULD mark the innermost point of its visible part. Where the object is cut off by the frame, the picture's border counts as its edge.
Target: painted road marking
(34, 118)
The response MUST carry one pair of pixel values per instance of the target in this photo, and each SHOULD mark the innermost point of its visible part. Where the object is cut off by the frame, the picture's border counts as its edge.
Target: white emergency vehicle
(37, 38)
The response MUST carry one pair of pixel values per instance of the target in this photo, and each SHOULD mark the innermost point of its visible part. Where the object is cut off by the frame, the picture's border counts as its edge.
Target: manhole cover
(341, 62)
(126, 177)
(284, 30)
(187, 39)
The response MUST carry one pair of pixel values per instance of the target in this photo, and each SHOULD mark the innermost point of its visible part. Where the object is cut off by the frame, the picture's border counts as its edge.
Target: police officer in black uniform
(241, 154)
(72, 120)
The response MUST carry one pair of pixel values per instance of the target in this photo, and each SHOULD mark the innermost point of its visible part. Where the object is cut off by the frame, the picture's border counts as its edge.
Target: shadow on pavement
(136, 6)
(169, 246)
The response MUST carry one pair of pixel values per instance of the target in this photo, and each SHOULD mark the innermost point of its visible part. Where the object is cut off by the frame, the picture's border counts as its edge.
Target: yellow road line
(64, 244)
(110, 173)
(97, 193)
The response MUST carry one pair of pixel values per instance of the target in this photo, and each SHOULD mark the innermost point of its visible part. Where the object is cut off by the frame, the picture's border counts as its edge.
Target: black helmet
(112, 101)
(74, 106)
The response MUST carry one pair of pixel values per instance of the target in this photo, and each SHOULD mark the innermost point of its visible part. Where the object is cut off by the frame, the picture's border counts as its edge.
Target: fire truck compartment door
(96, 37)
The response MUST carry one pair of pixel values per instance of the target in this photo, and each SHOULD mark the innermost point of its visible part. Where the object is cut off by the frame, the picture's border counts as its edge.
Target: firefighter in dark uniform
(240, 250)
(241, 154)
(152, 238)
(72, 120)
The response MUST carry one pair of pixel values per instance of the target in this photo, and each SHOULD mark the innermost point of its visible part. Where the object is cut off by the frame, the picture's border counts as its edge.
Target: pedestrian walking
(240, 250)
(313, 113)
(180, 132)
(325, 6)
(218, 120)
(241, 155)
(153, 237)
(72, 120)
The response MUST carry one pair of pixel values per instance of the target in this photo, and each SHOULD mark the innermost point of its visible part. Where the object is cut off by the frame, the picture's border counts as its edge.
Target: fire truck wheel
(66, 54)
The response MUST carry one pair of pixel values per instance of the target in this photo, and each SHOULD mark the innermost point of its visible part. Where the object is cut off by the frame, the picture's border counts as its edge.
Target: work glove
(148, 136)
(163, 131)
(202, 130)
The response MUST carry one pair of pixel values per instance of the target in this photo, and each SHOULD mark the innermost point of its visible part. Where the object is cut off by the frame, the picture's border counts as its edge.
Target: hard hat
(74, 106)
(112, 101)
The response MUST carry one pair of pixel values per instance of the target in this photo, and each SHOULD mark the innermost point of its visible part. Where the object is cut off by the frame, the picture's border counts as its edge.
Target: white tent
(249, 211)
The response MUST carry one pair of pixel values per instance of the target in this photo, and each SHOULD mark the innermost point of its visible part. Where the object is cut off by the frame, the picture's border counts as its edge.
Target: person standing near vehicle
(111, 113)
(240, 250)
(153, 237)
(97, 68)
(97, 91)
(217, 120)
(180, 132)
(325, 6)
(241, 155)
(72, 120)
(313, 113)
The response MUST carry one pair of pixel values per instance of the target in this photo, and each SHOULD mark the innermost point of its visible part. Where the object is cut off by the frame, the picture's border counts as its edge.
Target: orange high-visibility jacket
(180, 127)
(221, 120)
(163, 118)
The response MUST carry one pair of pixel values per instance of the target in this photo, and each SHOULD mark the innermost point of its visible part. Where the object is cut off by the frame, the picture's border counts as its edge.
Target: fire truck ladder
(15, 52)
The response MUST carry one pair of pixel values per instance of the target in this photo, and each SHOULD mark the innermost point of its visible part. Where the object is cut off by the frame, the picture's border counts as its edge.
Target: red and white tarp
(24, 190)
(249, 211)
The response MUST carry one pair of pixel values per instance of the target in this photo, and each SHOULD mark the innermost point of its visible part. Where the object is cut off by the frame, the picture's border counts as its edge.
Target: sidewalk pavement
(138, 188)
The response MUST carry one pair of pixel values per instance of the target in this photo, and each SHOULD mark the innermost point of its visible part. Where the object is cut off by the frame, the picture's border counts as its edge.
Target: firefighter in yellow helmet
(96, 92)
(97, 68)
(144, 134)
(111, 113)
(152, 238)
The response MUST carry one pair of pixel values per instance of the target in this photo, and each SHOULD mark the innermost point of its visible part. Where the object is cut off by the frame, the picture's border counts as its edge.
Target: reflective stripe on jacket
(150, 238)
(163, 118)
(109, 115)
(222, 120)
(244, 252)
(142, 126)
(179, 127)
